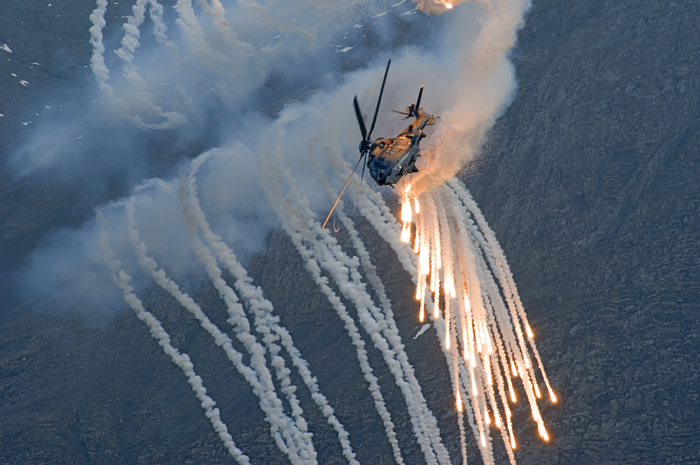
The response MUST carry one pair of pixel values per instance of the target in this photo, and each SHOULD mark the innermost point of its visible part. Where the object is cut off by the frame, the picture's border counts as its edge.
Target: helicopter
(388, 160)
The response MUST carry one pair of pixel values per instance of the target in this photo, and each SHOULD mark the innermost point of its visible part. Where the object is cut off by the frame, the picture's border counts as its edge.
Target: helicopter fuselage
(388, 160)
(391, 159)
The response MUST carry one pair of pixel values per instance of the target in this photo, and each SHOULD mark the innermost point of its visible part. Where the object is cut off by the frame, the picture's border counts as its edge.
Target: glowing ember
(448, 6)
(486, 334)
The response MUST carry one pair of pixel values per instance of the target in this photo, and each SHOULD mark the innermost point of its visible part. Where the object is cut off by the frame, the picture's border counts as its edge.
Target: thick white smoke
(240, 116)
(485, 83)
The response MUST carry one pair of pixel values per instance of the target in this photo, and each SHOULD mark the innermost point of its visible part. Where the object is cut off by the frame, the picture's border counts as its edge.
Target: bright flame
(406, 235)
(493, 356)
(448, 6)
(407, 219)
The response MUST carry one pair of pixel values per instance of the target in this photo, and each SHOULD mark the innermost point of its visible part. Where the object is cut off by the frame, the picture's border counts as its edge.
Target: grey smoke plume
(239, 118)
(228, 77)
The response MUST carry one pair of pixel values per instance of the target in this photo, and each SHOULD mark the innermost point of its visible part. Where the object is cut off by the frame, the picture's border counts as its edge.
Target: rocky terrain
(590, 183)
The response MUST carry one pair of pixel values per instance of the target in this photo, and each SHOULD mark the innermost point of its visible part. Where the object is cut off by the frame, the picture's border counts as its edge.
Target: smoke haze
(244, 81)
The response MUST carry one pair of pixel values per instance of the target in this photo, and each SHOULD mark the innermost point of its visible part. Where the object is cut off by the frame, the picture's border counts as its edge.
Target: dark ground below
(589, 181)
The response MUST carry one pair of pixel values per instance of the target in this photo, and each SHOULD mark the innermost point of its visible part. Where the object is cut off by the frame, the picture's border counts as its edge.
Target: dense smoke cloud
(246, 82)
(252, 105)
(485, 84)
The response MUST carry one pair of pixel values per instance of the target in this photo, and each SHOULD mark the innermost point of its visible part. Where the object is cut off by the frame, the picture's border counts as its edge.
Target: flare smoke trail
(266, 87)
(122, 279)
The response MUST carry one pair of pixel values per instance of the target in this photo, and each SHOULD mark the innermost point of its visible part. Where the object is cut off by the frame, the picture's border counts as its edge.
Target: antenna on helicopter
(366, 143)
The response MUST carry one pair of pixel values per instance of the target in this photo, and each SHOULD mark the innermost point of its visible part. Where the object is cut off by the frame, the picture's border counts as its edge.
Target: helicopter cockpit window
(380, 169)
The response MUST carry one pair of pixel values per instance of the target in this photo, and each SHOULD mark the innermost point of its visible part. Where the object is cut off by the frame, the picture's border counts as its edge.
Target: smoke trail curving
(122, 280)
(254, 375)
(269, 85)
(483, 331)
(265, 321)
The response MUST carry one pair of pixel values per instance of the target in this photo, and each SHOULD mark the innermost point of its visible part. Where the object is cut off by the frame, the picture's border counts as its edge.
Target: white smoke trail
(486, 84)
(301, 227)
(467, 382)
(489, 362)
(160, 30)
(474, 284)
(424, 421)
(142, 99)
(266, 322)
(349, 280)
(314, 268)
(122, 280)
(138, 105)
(97, 60)
(273, 414)
(218, 51)
(217, 13)
(298, 441)
(505, 276)
(478, 373)
(488, 325)
(519, 349)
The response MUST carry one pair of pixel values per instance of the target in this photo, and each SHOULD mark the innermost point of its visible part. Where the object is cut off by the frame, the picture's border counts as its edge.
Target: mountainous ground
(589, 181)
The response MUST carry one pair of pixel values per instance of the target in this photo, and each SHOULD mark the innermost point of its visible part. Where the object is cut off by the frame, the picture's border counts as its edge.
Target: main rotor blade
(400, 112)
(420, 95)
(341, 192)
(379, 100)
(360, 119)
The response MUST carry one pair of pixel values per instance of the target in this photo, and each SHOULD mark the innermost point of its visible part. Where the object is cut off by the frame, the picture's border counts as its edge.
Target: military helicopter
(388, 160)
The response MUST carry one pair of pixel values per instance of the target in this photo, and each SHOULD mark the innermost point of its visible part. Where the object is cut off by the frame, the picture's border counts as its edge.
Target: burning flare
(484, 327)
(436, 7)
